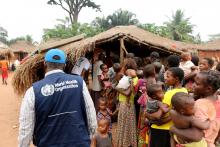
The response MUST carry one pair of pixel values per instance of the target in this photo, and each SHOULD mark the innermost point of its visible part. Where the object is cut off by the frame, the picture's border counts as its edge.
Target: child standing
(174, 77)
(104, 112)
(102, 138)
(182, 115)
(104, 77)
(4, 70)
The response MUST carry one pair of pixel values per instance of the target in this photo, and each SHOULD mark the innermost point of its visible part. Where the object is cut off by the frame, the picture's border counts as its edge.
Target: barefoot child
(182, 115)
(102, 138)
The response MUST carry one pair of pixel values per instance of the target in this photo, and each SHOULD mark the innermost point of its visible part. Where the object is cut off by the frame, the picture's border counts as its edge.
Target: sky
(22, 17)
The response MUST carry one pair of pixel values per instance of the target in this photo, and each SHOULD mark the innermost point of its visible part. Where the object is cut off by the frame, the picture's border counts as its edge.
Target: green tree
(62, 30)
(119, 17)
(3, 35)
(73, 7)
(179, 27)
(153, 28)
(122, 17)
(27, 38)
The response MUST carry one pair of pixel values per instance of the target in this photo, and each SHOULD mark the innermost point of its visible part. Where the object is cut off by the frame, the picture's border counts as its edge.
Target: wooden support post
(121, 50)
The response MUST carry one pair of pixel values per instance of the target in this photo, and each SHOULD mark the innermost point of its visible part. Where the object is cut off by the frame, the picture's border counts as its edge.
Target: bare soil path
(9, 112)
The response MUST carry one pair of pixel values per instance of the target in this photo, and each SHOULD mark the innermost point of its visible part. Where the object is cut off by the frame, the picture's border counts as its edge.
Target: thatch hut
(21, 49)
(6, 51)
(120, 40)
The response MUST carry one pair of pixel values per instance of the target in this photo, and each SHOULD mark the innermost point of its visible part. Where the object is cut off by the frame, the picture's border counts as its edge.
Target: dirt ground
(9, 111)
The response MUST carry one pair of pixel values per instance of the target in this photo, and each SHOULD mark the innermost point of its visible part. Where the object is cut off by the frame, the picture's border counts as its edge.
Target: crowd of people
(154, 105)
(157, 105)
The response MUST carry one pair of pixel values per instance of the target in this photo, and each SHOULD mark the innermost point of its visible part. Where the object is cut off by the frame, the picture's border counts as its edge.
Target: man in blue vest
(57, 111)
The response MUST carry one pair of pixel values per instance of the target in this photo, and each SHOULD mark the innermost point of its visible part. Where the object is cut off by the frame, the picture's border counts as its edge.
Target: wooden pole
(121, 50)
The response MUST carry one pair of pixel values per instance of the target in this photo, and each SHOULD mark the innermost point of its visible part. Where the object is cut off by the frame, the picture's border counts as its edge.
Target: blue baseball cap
(55, 56)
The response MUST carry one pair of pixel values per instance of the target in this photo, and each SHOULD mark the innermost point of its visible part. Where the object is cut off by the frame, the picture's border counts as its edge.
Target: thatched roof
(6, 51)
(212, 45)
(77, 46)
(22, 46)
(59, 43)
(129, 33)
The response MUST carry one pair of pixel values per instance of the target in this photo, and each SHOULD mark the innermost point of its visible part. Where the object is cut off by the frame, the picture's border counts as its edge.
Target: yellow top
(122, 98)
(167, 100)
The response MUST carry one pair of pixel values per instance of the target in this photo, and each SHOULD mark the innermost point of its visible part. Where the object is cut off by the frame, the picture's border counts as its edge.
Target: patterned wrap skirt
(126, 126)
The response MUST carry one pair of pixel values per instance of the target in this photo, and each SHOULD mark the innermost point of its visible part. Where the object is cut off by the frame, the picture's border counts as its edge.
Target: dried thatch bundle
(29, 72)
(7, 53)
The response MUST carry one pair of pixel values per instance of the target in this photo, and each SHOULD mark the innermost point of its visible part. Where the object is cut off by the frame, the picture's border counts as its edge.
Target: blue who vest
(60, 112)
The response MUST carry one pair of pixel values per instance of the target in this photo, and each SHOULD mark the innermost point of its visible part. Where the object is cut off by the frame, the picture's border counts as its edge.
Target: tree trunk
(75, 17)
(71, 18)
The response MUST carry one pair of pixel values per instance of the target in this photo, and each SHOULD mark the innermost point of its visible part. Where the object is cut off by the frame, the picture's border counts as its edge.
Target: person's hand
(173, 129)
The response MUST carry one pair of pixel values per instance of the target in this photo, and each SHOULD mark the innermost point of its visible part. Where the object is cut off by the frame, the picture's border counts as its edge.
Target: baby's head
(103, 126)
(104, 67)
(149, 71)
(155, 91)
(117, 67)
(186, 56)
(140, 74)
(102, 103)
(130, 73)
(183, 103)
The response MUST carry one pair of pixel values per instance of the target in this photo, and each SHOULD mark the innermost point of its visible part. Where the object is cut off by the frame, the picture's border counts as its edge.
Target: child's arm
(172, 141)
(163, 121)
(112, 143)
(93, 142)
(163, 107)
(204, 125)
(126, 92)
(191, 134)
(154, 116)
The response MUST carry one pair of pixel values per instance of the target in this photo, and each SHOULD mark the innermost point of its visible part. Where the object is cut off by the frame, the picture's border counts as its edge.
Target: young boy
(182, 115)
(102, 138)
(206, 64)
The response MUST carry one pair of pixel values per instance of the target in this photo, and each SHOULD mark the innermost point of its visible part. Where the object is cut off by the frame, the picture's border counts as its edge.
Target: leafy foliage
(179, 27)
(73, 7)
(3, 35)
(27, 38)
(119, 17)
(159, 30)
(65, 30)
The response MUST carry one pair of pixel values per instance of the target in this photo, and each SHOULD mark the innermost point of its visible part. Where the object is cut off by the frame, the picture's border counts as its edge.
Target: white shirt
(27, 114)
(82, 63)
(186, 67)
(96, 86)
(17, 63)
